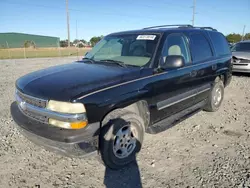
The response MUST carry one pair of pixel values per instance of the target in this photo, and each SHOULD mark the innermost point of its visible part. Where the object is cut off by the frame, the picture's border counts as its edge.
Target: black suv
(129, 84)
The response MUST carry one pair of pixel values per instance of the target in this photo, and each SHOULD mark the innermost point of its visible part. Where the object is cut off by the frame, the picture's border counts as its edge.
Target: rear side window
(200, 47)
(220, 43)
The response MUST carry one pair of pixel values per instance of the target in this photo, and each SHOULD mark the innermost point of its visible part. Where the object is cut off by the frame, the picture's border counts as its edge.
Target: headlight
(69, 108)
(66, 107)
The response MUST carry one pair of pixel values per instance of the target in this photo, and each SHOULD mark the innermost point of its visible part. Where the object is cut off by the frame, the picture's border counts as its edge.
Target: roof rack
(176, 25)
(206, 28)
(181, 26)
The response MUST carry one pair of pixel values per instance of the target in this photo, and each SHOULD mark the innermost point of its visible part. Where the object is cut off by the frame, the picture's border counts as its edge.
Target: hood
(65, 82)
(241, 55)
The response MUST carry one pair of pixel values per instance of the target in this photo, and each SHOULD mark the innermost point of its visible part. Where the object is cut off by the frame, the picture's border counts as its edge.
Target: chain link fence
(30, 52)
(18, 45)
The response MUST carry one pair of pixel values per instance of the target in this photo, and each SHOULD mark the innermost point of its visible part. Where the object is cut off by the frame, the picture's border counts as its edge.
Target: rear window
(220, 43)
(200, 47)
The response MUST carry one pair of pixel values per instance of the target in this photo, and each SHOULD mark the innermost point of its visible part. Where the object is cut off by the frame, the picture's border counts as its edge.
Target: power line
(35, 5)
(165, 3)
(115, 13)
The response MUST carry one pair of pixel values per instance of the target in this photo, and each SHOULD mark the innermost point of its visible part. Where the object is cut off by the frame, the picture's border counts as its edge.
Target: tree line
(234, 37)
(81, 42)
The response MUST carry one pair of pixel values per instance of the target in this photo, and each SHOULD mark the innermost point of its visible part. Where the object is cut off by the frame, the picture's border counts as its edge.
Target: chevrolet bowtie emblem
(23, 105)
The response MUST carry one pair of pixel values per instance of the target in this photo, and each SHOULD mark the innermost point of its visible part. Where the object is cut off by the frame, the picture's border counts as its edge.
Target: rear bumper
(71, 143)
(241, 68)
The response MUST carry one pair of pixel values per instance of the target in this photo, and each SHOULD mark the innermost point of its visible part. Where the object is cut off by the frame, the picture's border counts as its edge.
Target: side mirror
(173, 62)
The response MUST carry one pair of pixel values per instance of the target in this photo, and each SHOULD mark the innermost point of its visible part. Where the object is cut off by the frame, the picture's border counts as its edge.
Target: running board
(175, 119)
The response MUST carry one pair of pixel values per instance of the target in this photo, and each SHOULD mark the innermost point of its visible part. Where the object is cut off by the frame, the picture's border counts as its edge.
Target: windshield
(241, 47)
(131, 49)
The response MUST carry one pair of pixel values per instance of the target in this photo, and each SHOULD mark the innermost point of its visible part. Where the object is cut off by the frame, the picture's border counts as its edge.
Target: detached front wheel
(121, 138)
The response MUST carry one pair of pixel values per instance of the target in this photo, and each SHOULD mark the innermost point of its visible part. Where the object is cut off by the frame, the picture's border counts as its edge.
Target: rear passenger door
(204, 66)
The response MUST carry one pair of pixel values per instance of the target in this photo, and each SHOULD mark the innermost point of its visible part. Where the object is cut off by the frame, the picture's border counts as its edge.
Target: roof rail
(206, 28)
(181, 26)
(176, 25)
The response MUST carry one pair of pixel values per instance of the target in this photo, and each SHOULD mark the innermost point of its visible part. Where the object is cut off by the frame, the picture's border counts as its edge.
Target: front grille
(41, 103)
(244, 61)
(40, 118)
(241, 61)
(240, 64)
(32, 100)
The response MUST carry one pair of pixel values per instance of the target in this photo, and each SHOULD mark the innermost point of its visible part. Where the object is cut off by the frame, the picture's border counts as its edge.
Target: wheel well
(140, 108)
(220, 77)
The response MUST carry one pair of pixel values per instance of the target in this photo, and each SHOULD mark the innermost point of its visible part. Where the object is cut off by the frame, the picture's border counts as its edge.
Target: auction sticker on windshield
(146, 37)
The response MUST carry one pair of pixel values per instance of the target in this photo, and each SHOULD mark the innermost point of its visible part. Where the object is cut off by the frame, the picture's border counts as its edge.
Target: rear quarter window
(220, 43)
(200, 47)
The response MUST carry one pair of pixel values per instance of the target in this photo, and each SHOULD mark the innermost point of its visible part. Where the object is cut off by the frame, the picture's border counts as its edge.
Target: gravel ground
(206, 150)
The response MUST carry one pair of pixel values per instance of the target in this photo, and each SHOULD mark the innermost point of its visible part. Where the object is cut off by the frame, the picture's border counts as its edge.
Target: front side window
(132, 49)
(200, 47)
(176, 45)
(241, 47)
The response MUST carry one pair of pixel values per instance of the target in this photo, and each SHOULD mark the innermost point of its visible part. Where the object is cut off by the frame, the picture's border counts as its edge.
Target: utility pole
(76, 30)
(194, 7)
(77, 43)
(67, 12)
(243, 33)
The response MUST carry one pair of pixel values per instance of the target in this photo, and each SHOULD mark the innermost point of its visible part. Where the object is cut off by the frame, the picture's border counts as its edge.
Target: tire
(215, 99)
(116, 149)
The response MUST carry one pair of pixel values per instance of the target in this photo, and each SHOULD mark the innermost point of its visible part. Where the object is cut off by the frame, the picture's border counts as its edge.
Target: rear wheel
(121, 138)
(215, 97)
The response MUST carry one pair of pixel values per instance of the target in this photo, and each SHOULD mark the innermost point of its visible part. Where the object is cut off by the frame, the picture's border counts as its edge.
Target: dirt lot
(206, 150)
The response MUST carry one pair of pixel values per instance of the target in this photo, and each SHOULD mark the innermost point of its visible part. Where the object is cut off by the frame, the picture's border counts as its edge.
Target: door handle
(193, 73)
(214, 67)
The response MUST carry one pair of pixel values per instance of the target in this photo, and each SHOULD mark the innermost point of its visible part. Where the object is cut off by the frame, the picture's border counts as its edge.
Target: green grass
(19, 53)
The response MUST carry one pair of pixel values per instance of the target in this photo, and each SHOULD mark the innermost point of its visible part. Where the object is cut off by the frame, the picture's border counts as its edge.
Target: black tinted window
(200, 47)
(241, 47)
(220, 43)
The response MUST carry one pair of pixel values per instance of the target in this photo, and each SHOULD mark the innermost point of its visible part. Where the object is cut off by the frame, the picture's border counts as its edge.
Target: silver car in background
(241, 56)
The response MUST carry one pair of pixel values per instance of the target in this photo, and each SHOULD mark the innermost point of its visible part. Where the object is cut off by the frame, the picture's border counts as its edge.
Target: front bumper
(71, 143)
(241, 67)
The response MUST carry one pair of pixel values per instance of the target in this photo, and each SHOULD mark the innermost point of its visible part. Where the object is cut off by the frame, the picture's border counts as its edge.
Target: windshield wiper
(122, 64)
(88, 59)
